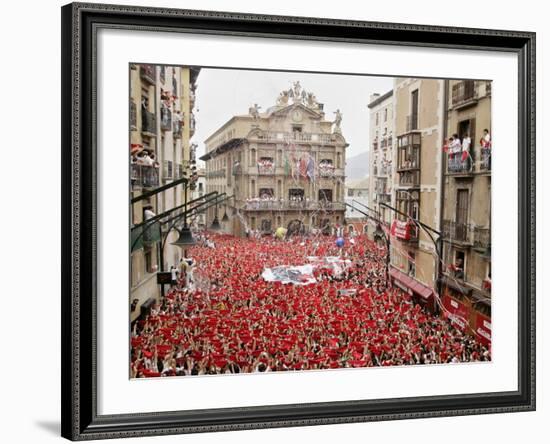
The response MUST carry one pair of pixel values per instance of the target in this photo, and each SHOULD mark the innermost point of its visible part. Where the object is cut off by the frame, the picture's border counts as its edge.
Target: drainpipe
(442, 194)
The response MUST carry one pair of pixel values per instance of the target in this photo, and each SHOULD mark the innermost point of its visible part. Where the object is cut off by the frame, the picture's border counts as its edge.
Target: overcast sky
(223, 93)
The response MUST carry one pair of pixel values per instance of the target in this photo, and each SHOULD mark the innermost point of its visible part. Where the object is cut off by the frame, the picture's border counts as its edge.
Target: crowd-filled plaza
(223, 316)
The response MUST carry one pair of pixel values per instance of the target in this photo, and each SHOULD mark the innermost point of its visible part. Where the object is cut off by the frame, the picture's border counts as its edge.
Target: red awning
(409, 282)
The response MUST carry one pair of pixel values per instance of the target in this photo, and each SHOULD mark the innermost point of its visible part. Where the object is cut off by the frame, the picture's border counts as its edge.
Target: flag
(287, 166)
(464, 155)
(303, 167)
(311, 169)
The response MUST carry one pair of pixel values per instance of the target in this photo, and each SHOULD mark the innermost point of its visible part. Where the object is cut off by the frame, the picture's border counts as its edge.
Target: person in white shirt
(456, 145)
(486, 139)
(148, 213)
(466, 143)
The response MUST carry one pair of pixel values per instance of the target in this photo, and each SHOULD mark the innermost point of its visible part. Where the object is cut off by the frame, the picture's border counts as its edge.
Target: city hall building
(284, 167)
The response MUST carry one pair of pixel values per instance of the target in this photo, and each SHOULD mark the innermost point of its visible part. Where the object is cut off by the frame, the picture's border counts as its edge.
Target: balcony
(144, 176)
(216, 174)
(297, 137)
(147, 73)
(405, 231)
(485, 161)
(266, 167)
(148, 123)
(411, 123)
(237, 169)
(482, 239)
(409, 178)
(457, 232)
(133, 115)
(168, 170)
(464, 94)
(165, 119)
(177, 129)
(383, 198)
(179, 171)
(326, 169)
(282, 205)
(455, 165)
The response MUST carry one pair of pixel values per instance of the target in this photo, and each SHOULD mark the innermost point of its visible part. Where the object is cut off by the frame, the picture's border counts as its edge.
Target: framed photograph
(274, 221)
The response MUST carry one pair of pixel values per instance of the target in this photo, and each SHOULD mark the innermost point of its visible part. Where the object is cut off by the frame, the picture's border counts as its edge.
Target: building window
(414, 110)
(266, 193)
(325, 195)
(459, 265)
(411, 264)
(266, 225)
(295, 194)
(148, 252)
(385, 114)
(376, 119)
(296, 128)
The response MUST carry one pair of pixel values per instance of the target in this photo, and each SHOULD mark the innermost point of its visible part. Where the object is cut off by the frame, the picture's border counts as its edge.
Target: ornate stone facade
(284, 166)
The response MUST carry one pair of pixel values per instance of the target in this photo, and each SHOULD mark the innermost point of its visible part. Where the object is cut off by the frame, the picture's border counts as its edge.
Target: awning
(411, 283)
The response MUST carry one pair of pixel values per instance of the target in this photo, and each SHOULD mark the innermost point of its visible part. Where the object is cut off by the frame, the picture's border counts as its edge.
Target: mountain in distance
(357, 167)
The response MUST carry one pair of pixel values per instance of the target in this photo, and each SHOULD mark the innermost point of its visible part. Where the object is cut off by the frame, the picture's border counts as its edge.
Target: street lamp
(185, 238)
(215, 224)
(225, 217)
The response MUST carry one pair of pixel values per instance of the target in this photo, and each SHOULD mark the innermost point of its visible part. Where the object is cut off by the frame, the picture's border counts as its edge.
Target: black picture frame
(80, 23)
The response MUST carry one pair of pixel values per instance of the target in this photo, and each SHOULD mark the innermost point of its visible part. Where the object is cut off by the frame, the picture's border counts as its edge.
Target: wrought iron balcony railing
(177, 129)
(455, 165)
(485, 159)
(148, 122)
(165, 119)
(281, 205)
(297, 136)
(133, 115)
(457, 232)
(482, 238)
(144, 176)
(409, 178)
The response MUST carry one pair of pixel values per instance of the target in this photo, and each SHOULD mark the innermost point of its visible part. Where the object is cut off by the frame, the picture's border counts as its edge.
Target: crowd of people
(232, 321)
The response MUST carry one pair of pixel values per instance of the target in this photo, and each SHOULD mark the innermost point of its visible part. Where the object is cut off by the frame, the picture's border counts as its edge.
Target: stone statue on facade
(282, 100)
(337, 121)
(311, 101)
(254, 111)
(297, 90)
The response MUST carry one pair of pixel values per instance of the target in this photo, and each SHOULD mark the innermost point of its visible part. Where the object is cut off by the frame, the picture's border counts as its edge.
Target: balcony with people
(326, 168)
(144, 169)
(266, 166)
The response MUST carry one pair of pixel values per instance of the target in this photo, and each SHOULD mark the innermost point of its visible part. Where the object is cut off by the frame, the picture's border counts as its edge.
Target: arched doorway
(351, 229)
(295, 227)
(365, 229)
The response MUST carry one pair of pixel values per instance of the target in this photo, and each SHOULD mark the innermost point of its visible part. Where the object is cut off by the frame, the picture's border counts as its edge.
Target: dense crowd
(232, 321)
